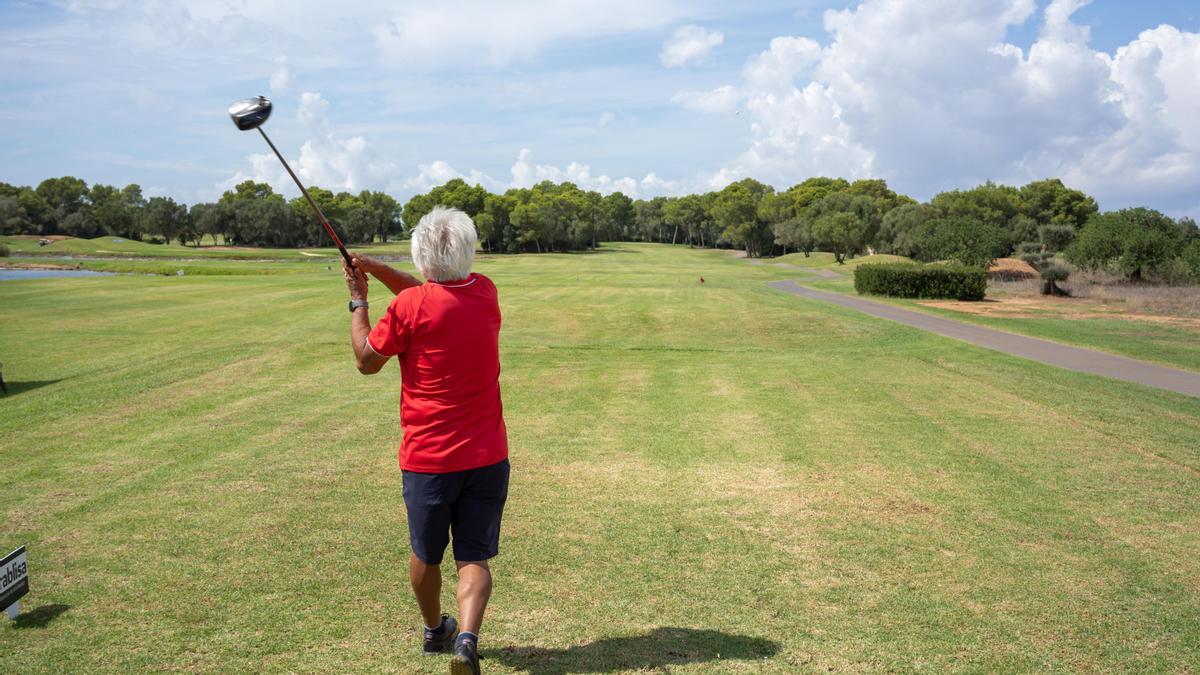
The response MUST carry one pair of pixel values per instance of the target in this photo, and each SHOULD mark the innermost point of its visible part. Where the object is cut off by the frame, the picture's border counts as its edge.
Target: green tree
(735, 210)
(796, 233)
(965, 240)
(1049, 202)
(212, 219)
(1134, 242)
(804, 195)
(885, 201)
(384, 212)
(63, 197)
(618, 216)
(648, 219)
(164, 218)
(861, 207)
(996, 205)
(272, 222)
(13, 218)
(494, 225)
(899, 232)
(415, 209)
(841, 233)
(113, 212)
(456, 193)
(686, 214)
(248, 190)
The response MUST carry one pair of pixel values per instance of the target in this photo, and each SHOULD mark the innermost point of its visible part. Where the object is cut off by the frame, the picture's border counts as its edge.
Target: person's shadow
(659, 648)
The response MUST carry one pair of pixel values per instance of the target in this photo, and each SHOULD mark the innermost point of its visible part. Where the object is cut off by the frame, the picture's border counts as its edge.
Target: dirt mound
(1011, 269)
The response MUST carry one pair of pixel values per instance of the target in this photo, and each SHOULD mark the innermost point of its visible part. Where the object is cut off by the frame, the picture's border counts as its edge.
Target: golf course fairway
(712, 477)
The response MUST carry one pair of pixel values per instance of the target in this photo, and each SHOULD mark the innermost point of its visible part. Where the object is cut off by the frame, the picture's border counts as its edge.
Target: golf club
(251, 113)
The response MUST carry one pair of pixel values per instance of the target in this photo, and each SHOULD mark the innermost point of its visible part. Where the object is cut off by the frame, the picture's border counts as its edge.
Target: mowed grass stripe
(814, 488)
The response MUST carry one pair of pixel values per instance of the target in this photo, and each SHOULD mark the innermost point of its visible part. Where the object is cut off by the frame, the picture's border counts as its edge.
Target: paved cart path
(1052, 353)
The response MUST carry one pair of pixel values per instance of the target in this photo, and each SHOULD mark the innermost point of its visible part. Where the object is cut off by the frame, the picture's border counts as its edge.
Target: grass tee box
(911, 280)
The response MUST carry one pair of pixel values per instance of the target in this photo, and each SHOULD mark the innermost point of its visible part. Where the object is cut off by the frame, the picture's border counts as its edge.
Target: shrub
(1053, 272)
(1191, 258)
(4, 252)
(1029, 247)
(909, 280)
(1175, 273)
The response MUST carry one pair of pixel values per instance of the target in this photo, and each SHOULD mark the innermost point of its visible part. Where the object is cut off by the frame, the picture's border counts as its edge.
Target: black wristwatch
(355, 304)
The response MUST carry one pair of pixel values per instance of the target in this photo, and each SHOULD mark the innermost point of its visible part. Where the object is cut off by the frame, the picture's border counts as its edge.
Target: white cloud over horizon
(493, 35)
(952, 104)
(689, 44)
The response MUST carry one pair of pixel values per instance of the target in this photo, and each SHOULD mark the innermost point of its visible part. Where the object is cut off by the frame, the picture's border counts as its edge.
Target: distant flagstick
(250, 113)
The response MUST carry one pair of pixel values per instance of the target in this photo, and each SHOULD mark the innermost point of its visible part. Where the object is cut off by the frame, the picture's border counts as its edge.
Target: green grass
(111, 247)
(214, 266)
(820, 259)
(706, 478)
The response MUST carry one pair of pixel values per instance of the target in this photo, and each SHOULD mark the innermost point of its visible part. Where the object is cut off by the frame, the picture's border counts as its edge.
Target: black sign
(14, 578)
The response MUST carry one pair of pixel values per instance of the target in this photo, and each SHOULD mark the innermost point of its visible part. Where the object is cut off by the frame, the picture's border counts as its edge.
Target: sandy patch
(1061, 308)
(1012, 269)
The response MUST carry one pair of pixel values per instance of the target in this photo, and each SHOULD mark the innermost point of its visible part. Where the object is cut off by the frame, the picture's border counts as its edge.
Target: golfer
(454, 454)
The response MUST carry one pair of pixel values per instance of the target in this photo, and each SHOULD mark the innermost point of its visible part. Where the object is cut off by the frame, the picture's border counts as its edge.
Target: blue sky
(647, 96)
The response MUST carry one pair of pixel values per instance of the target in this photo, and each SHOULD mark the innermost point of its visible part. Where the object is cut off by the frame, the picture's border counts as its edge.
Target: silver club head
(250, 113)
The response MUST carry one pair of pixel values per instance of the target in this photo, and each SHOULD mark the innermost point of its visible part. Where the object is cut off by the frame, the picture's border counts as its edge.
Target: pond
(15, 274)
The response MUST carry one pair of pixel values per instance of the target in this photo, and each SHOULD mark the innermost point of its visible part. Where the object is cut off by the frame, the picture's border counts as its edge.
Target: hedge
(911, 280)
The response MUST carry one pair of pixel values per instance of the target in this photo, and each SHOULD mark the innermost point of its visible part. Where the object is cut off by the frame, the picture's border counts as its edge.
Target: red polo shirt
(446, 336)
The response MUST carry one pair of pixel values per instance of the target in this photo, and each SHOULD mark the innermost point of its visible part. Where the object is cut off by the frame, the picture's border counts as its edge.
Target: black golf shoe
(441, 642)
(465, 661)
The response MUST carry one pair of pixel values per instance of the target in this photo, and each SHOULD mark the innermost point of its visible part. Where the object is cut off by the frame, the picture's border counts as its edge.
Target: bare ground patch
(1034, 307)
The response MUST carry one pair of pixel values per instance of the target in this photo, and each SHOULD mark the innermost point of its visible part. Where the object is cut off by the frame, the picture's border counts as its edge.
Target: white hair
(443, 244)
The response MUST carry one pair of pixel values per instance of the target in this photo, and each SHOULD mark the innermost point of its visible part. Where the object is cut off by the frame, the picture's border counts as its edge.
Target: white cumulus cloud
(440, 172)
(930, 95)
(721, 99)
(435, 36)
(689, 44)
(326, 160)
(526, 173)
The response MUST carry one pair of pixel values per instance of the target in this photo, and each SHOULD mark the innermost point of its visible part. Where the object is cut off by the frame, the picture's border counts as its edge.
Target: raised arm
(391, 277)
(366, 358)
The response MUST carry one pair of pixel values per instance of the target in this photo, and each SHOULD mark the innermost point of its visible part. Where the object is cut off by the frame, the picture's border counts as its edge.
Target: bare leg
(474, 589)
(427, 586)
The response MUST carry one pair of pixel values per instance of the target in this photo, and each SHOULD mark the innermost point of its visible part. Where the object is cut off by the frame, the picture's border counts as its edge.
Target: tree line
(829, 214)
(252, 214)
(1043, 221)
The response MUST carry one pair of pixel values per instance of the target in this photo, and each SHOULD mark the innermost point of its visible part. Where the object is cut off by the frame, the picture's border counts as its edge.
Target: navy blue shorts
(469, 503)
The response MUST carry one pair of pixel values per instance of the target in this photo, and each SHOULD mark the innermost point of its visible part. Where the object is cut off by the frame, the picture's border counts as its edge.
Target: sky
(650, 97)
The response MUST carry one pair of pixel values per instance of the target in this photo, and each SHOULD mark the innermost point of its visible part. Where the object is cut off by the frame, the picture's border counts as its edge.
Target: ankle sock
(464, 637)
(441, 627)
